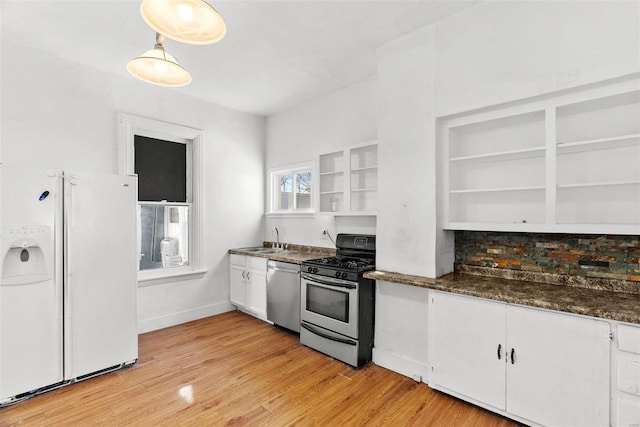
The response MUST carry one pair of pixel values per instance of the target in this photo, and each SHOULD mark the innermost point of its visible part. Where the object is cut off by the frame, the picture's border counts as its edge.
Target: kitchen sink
(263, 250)
(253, 249)
(272, 251)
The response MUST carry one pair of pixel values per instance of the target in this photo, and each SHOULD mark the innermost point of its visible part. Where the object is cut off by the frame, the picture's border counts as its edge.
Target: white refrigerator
(68, 278)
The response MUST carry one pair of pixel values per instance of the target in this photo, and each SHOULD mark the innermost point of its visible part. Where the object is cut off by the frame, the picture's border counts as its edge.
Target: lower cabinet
(248, 284)
(626, 376)
(542, 367)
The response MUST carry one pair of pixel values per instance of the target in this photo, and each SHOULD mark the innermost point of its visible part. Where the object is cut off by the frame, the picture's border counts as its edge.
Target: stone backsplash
(585, 255)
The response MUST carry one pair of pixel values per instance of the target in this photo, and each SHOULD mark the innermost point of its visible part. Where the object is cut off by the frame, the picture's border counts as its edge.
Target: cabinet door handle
(248, 276)
(513, 356)
(499, 351)
(243, 275)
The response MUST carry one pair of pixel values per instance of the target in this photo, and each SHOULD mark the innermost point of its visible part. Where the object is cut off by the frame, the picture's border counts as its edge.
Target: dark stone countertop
(296, 254)
(619, 306)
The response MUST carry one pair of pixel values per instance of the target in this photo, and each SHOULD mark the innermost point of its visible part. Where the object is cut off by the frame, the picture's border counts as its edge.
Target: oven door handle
(329, 337)
(329, 282)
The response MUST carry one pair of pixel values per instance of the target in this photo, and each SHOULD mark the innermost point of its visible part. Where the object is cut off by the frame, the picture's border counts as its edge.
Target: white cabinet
(349, 180)
(257, 286)
(557, 368)
(626, 377)
(248, 284)
(238, 280)
(467, 347)
(563, 163)
(543, 367)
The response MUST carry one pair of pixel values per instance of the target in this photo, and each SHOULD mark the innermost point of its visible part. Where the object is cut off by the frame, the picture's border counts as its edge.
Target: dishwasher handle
(285, 267)
(285, 270)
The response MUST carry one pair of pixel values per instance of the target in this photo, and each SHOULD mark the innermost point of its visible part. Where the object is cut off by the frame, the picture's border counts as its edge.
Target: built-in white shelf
(598, 184)
(545, 228)
(359, 190)
(568, 162)
(600, 144)
(349, 180)
(367, 169)
(367, 213)
(504, 155)
(496, 190)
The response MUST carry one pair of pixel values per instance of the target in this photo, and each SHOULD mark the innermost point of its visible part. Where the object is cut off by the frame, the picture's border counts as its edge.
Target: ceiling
(276, 53)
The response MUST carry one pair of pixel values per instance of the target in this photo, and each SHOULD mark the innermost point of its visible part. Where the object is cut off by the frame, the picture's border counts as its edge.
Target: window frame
(272, 189)
(130, 125)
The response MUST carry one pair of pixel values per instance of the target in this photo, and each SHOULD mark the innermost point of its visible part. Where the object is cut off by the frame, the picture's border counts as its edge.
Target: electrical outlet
(325, 235)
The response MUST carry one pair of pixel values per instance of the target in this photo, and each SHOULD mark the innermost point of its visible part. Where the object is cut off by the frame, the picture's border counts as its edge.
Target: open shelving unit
(497, 169)
(598, 160)
(563, 163)
(349, 180)
(331, 180)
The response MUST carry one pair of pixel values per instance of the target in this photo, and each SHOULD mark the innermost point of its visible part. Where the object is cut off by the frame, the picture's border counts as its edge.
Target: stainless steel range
(337, 303)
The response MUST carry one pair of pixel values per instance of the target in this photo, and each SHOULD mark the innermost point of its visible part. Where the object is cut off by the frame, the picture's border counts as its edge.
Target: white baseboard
(259, 316)
(172, 319)
(402, 365)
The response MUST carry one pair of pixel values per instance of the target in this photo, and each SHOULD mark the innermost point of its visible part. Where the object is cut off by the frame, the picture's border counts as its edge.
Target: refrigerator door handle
(67, 304)
(71, 179)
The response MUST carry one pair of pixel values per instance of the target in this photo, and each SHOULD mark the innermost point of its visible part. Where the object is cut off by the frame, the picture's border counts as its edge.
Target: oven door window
(328, 302)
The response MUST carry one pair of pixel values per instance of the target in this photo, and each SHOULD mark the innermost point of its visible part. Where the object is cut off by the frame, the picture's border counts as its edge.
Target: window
(164, 203)
(164, 235)
(166, 159)
(291, 190)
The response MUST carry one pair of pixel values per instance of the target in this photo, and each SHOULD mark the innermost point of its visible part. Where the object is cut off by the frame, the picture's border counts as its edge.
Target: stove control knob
(337, 274)
(315, 269)
(344, 275)
(309, 269)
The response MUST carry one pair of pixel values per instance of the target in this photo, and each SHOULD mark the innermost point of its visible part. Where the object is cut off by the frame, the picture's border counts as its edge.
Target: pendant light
(158, 67)
(186, 21)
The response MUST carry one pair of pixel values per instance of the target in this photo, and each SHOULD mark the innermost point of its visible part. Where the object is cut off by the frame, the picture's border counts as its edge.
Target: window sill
(151, 279)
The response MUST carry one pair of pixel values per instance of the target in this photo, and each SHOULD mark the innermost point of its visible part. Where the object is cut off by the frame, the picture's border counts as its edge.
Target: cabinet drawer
(257, 263)
(629, 376)
(237, 259)
(629, 339)
(628, 413)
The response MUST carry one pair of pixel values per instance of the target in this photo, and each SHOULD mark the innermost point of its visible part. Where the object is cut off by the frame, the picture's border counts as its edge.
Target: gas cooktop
(346, 263)
(355, 254)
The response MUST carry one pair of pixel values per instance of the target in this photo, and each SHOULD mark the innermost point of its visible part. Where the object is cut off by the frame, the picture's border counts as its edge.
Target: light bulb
(185, 12)
(160, 66)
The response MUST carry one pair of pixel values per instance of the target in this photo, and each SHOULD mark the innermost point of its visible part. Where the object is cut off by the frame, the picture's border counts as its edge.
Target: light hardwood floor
(232, 369)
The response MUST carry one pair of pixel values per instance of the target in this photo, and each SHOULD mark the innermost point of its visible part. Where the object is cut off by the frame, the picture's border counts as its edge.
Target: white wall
(406, 240)
(61, 115)
(501, 51)
(407, 152)
(341, 118)
(401, 329)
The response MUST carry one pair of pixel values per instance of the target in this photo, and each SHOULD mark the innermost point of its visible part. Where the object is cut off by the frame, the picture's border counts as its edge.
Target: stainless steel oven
(337, 302)
(330, 303)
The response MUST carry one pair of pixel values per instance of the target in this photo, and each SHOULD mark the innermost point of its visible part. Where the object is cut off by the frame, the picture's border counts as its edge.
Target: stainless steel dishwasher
(283, 294)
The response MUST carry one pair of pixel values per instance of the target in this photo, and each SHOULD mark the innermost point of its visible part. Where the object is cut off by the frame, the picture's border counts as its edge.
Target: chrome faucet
(277, 236)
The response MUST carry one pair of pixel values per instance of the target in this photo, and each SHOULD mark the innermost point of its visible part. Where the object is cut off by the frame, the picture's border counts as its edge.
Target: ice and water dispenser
(26, 254)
